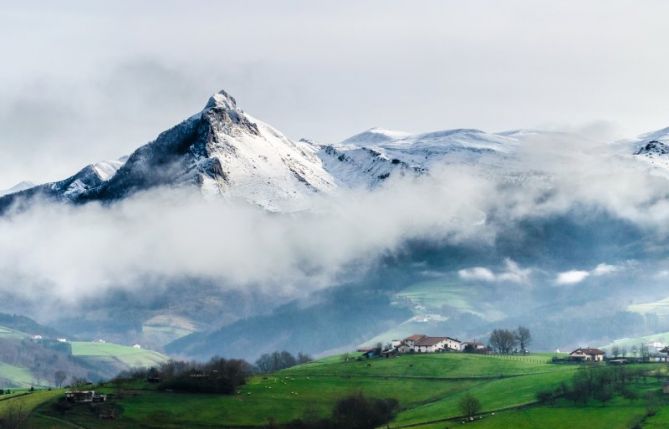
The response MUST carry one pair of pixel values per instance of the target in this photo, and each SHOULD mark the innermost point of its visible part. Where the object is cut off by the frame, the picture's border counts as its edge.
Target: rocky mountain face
(224, 151)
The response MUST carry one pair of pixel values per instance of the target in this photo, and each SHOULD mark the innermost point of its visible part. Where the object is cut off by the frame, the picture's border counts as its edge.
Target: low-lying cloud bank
(69, 252)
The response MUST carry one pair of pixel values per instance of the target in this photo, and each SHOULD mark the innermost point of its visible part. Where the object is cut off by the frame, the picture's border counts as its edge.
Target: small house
(587, 354)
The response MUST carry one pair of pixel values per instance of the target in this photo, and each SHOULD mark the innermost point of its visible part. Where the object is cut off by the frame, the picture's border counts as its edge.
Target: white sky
(83, 81)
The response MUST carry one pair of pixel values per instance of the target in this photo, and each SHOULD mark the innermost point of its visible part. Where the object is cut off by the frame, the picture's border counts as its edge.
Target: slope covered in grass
(124, 355)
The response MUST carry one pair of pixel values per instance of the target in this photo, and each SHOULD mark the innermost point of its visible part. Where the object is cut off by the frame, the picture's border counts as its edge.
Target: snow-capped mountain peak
(221, 100)
(221, 150)
(375, 136)
(226, 152)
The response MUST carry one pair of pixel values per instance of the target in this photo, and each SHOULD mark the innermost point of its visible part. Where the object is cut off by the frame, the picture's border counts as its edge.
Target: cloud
(604, 269)
(477, 274)
(571, 277)
(577, 276)
(71, 252)
(512, 273)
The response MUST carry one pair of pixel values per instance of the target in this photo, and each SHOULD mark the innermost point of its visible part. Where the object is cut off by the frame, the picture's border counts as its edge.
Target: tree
(523, 337)
(59, 377)
(615, 351)
(358, 412)
(502, 341)
(469, 406)
(14, 415)
(303, 358)
(276, 361)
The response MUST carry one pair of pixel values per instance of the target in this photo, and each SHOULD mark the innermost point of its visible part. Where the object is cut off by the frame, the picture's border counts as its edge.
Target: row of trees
(506, 341)
(276, 361)
(642, 351)
(218, 375)
(599, 383)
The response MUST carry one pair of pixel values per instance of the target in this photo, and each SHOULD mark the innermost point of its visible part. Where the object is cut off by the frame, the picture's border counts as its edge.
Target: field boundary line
(448, 419)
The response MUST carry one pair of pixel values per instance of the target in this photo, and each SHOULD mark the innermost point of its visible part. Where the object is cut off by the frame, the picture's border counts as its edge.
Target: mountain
(221, 150)
(224, 151)
(368, 158)
(31, 354)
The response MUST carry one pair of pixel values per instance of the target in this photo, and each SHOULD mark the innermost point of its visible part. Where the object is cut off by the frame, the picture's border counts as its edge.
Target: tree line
(506, 341)
(276, 361)
(598, 383)
(218, 375)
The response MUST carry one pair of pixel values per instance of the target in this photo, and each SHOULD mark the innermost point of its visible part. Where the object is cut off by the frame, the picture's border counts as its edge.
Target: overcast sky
(85, 81)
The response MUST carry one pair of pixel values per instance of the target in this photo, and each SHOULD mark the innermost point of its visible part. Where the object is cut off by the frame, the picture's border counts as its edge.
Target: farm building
(420, 343)
(587, 353)
(84, 396)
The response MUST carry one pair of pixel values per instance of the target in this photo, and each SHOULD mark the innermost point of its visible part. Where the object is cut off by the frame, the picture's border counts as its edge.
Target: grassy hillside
(428, 388)
(126, 356)
(25, 362)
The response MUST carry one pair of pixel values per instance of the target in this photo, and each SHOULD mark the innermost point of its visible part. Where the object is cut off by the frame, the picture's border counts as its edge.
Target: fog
(73, 252)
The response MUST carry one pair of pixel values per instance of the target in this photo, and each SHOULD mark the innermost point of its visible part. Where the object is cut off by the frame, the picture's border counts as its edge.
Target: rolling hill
(428, 388)
(32, 359)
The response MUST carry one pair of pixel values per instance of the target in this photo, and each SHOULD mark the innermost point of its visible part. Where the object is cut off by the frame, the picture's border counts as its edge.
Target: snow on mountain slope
(375, 136)
(369, 158)
(226, 152)
(221, 150)
(653, 148)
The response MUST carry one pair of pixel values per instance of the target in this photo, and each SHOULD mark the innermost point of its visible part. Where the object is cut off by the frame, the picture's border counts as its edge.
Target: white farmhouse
(420, 343)
(587, 353)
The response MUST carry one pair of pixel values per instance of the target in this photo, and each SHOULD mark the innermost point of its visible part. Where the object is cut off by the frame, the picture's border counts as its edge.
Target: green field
(428, 388)
(127, 356)
(11, 333)
(17, 376)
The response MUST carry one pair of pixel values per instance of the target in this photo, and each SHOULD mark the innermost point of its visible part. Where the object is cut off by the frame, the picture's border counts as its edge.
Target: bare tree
(503, 341)
(59, 377)
(523, 337)
(303, 358)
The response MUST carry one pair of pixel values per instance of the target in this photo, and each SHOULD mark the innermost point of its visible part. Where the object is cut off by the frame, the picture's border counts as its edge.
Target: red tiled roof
(587, 351)
(430, 341)
(414, 337)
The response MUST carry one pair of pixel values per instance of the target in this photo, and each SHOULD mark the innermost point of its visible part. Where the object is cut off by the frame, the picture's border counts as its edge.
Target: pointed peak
(222, 100)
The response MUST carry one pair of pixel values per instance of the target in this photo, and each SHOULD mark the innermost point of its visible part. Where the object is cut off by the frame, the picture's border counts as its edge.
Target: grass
(428, 388)
(29, 401)
(6, 332)
(128, 356)
(15, 376)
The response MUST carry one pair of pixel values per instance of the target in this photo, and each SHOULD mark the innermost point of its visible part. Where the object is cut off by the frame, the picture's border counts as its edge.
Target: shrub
(469, 406)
